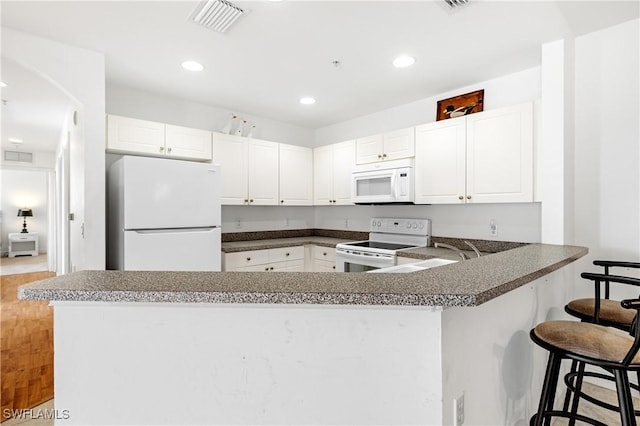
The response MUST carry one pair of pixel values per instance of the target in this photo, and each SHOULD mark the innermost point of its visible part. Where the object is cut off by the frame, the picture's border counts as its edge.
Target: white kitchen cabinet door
(296, 175)
(332, 167)
(500, 155)
(263, 172)
(184, 142)
(131, 135)
(440, 164)
(344, 161)
(399, 144)
(323, 175)
(231, 152)
(369, 149)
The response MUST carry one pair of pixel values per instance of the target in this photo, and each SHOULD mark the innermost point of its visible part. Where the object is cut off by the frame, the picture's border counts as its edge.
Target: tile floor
(23, 264)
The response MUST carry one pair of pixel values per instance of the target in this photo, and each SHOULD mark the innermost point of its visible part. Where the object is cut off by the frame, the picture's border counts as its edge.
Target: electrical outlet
(346, 223)
(238, 224)
(458, 411)
(493, 228)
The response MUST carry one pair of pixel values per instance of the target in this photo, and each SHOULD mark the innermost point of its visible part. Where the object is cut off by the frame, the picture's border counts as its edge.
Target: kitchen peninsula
(303, 348)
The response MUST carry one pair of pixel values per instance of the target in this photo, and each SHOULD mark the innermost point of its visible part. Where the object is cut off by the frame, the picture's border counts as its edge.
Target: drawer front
(290, 266)
(244, 259)
(324, 253)
(285, 254)
(324, 266)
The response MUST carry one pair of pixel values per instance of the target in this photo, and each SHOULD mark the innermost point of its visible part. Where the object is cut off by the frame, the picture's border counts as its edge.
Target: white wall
(504, 91)
(607, 149)
(80, 74)
(266, 218)
(24, 188)
(165, 109)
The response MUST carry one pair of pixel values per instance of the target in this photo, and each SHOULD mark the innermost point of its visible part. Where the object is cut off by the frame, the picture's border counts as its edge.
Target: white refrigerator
(163, 215)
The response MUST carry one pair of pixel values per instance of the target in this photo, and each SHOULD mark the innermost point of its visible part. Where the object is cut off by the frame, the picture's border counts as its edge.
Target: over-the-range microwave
(383, 183)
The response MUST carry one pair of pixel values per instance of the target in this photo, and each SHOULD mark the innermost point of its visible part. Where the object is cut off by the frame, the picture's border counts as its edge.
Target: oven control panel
(400, 226)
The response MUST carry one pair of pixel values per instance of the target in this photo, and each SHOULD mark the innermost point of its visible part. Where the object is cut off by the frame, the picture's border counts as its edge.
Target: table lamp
(25, 213)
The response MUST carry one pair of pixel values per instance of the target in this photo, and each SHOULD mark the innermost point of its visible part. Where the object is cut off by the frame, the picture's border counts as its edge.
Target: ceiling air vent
(455, 4)
(21, 157)
(217, 15)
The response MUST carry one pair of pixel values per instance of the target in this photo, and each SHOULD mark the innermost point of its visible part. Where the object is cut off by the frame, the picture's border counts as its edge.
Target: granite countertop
(236, 246)
(468, 283)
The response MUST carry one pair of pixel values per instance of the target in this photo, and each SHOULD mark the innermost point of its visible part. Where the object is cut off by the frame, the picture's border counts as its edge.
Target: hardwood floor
(26, 344)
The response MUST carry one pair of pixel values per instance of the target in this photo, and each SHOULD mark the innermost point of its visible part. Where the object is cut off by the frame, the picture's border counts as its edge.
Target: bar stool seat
(610, 312)
(586, 343)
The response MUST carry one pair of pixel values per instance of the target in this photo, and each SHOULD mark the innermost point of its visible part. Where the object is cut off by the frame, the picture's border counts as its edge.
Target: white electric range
(387, 236)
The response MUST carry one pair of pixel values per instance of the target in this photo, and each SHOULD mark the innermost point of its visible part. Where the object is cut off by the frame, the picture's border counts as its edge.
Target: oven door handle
(350, 256)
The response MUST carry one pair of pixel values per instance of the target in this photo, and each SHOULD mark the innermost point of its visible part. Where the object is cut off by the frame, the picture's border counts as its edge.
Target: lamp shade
(25, 212)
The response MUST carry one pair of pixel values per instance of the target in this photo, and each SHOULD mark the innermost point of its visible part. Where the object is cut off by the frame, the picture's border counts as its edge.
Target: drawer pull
(266, 269)
(271, 269)
(248, 259)
(286, 254)
(324, 254)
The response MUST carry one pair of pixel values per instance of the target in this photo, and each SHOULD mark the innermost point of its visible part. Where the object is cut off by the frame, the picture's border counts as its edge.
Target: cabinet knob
(271, 269)
(460, 197)
(251, 200)
(246, 200)
(248, 259)
(266, 269)
(384, 155)
(162, 149)
(334, 201)
(286, 254)
(379, 155)
(169, 149)
(468, 197)
(324, 254)
(334, 266)
(281, 201)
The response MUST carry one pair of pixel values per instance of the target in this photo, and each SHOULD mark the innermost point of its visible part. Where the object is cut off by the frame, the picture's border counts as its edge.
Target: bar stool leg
(567, 396)
(576, 395)
(627, 415)
(548, 393)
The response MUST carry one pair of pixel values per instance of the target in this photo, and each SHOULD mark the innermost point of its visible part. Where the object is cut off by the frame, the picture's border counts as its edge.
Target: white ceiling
(281, 51)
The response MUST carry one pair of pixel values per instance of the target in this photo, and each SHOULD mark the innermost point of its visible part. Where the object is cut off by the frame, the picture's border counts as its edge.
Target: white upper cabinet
(249, 170)
(332, 167)
(389, 146)
(187, 143)
(133, 136)
(440, 165)
(263, 172)
(296, 175)
(486, 157)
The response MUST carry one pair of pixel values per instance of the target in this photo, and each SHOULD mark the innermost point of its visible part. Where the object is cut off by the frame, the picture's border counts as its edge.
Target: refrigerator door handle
(173, 230)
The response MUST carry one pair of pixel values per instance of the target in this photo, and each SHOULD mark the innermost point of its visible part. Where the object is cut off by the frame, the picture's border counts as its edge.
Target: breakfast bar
(305, 347)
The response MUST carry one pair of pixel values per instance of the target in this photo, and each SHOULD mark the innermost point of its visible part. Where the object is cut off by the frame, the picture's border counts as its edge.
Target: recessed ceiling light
(307, 100)
(3, 84)
(192, 66)
(404, 61)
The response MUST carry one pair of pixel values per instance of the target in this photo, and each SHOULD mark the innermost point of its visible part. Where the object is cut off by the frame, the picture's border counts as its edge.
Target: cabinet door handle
(324, 254)
(384, 155)
(460, 197)
(162, 149)
(248, 259)
(286, 254)
(281, 201)
(271, 269)
(251, 200)
(379, 155)
(266, 269)
(334, 266)
(246, 200)
(169, 149)
(334, 201)
(468, 197)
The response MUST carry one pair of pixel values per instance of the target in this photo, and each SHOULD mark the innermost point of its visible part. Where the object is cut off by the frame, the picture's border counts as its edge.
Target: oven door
(351, 262)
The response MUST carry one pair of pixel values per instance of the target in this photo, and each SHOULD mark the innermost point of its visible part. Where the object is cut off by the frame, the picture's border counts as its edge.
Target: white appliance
(387, 236)
(163, 215)
(383, 183)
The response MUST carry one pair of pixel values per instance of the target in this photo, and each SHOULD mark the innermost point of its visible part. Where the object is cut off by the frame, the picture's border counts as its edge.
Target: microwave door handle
(393, 184)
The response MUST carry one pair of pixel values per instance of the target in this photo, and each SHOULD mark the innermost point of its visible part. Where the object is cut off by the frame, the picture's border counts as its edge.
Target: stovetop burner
(380, 245)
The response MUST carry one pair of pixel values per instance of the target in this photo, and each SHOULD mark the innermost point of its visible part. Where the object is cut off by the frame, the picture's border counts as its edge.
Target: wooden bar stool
(606, 347)
(601, 309)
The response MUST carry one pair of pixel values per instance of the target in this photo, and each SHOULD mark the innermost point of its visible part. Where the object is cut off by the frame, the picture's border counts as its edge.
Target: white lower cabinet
(284, 259)
(323, 258)
(485, 157)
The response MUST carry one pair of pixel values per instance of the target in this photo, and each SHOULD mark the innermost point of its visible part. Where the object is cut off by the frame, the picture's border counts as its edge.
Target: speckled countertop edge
(468, 283)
